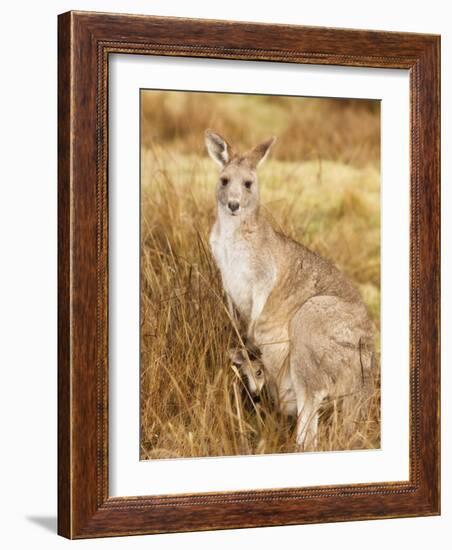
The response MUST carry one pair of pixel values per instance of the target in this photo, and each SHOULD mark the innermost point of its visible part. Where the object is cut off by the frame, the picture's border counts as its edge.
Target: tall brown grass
(340, 130)
(323, 190)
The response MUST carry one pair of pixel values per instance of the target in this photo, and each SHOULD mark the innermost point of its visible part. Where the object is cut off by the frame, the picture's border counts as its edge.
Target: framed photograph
(248, 275)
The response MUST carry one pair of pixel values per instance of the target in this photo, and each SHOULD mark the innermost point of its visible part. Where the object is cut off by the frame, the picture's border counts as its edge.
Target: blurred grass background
(321, 186)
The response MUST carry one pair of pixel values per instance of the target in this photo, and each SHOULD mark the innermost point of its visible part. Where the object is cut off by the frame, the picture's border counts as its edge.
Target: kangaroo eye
(259, 372)
(224, 181)
(248, 184)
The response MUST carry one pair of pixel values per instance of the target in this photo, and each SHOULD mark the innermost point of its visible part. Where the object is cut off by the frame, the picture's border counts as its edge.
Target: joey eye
(259, 372)
(248, 184)
(224, 181)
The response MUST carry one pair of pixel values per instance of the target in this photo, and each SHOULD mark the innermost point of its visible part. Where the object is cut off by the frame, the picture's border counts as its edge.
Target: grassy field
(321, 185)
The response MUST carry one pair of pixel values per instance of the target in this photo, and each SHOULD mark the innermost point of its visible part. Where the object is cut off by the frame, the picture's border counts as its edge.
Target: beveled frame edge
(85, 41)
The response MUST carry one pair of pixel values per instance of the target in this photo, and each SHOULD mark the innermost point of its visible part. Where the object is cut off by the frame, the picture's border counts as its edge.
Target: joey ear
(257, 155)
(236, 356)
(218, 148)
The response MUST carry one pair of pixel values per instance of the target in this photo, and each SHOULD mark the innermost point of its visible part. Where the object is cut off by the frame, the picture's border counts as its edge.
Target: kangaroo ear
(257, 155)
(218, 148)
(236, 356)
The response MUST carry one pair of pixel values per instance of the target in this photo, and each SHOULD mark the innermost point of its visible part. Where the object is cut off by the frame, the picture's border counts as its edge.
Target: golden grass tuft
(192, 403)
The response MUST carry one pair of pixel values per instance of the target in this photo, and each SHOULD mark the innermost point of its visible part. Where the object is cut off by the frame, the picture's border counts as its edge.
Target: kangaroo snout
(233, 206)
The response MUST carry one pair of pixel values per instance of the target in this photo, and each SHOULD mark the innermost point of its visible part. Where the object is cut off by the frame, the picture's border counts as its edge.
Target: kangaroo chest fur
(244, 279)
(234, 262)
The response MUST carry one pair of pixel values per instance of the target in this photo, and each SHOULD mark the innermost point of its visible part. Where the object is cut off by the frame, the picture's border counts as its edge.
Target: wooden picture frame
(85, 42)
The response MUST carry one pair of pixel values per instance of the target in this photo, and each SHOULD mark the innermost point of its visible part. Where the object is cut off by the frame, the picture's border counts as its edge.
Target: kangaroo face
(237, 188)
(250, 369)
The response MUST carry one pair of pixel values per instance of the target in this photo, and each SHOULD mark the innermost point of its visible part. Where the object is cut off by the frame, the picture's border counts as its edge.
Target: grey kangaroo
(305, 316)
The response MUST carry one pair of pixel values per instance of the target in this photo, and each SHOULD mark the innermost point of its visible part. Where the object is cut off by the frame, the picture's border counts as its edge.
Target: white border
(129, 475)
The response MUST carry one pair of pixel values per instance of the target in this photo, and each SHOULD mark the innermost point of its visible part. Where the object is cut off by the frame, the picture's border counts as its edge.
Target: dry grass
(340, 130)
(323, 192)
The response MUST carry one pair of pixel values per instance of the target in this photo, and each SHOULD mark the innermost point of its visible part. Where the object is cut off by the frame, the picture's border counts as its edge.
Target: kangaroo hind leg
(308, 398)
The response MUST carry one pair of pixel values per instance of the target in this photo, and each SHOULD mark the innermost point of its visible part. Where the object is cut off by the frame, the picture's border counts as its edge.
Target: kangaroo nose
(233, 206)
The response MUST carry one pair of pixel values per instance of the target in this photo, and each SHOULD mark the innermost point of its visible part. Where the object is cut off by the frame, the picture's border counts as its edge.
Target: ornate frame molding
(85, 42)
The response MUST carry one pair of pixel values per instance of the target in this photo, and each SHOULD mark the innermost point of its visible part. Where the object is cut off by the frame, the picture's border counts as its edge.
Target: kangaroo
(250, 367)
(308, 320)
